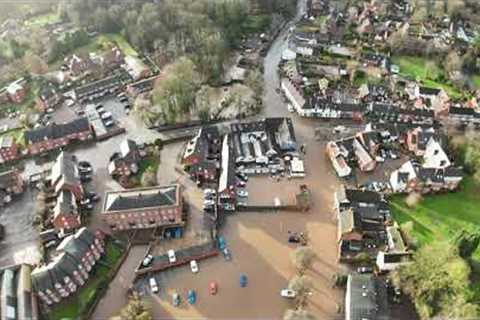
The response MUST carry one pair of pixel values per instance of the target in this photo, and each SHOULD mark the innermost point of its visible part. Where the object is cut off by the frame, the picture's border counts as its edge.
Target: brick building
(69, 269)
(57, 135)
(144, 208)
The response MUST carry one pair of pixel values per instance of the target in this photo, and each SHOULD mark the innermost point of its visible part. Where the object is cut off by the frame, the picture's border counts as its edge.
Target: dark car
(92, 196)
(85, 178)
(84, 164)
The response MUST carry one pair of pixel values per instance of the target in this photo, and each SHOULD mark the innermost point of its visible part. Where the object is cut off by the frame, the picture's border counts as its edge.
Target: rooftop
(141, 198)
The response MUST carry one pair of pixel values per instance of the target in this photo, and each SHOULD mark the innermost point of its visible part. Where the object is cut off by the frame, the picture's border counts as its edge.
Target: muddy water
(258, 242)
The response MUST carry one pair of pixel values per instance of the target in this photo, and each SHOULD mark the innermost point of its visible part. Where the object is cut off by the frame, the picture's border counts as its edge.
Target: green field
(439, 217)
(73, 308)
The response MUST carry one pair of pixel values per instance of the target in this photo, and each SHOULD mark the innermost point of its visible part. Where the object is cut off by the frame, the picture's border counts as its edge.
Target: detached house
(202, 155)
(17, 91)
(125, 163)
(69, 269)
(78, 65)
(48, 98)
(57, 135)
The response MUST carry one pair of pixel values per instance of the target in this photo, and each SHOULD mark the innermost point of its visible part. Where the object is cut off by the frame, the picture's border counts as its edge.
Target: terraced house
(57, 135)
(70, 266)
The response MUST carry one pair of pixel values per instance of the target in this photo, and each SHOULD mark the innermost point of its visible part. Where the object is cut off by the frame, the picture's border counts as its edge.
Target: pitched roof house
(57, 135)
(69, 269)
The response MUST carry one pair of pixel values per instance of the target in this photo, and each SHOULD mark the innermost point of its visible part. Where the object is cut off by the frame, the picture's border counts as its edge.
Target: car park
(148, 259)
(287, 293)
(153, 285)
(171, 256)
(194, 266)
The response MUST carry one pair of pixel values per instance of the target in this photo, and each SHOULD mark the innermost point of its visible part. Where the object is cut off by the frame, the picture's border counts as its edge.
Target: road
(257, 241)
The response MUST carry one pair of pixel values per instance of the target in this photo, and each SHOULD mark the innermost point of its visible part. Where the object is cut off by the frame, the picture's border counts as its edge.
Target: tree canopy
(438, 281)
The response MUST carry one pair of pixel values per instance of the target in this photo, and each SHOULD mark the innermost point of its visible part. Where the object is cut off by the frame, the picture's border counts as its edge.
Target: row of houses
(70, 267)
(45, 139)
(65, 186)
(365, 225)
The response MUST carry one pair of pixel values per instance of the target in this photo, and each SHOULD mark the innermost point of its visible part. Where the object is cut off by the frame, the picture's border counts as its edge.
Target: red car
(213, 288)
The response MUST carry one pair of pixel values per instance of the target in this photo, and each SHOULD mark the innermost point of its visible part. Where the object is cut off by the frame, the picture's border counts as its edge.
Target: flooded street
(258, 241)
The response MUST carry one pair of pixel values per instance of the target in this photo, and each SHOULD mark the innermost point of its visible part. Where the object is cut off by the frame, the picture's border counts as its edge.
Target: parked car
(208, 203)
(287, 293)
(192, 296)
(226, 254)
(241, 184)
(50, 110)
(222, 244)
(80, 112)
(153, 285)
(194, 266)
(148, 259)
(84, 164)
(171, 256)
(243, 280)
(229, 207)
(242, 176)
(83, 170)
(213, 288)
(290, 107)
(92, 196)
(85, 178)
(124, 99)
(85, 201)
(209, 192)
(87, 206)
(242, 193)
(99, 106)
(108, 123)
(365, 269)
(106, 116)
(176, 299)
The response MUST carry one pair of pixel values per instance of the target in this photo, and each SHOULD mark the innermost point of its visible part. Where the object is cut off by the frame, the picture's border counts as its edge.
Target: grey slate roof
(366, 298)
(134, 199)
(56, 131)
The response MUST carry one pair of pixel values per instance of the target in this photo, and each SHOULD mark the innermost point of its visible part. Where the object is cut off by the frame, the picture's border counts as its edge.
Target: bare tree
(302, 259)
(302, 285)
(300, 314)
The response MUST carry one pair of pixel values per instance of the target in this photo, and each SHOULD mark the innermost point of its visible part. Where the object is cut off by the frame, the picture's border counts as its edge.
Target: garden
(440, 217)
(79, 305)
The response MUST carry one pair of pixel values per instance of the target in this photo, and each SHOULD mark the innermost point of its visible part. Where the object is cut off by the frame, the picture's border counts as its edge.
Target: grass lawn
(73, 308)
(476, 81)
(146, 163)
(17, 134)
(43, 19)
(429, 74)
(439, 217)
(417, 67)
(119, 40)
